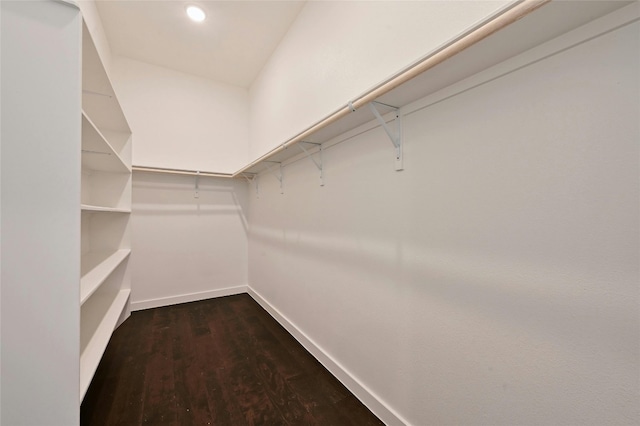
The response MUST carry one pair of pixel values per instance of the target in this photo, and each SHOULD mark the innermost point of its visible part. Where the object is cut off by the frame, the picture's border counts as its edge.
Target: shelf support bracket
(395, 136)
(278, 176)
(318, 164)
(257, 179)
(197, 193)
(253, 179)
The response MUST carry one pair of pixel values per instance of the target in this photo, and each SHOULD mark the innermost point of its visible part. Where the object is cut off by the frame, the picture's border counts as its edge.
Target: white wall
(184, 248)
(495, 279)
(336, 50)
(40, 189)
(187, 248)
(0, 228)
(182, 121)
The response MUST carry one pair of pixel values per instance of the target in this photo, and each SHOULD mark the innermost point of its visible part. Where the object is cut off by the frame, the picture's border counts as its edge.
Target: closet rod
(180, 172)
(484, 30)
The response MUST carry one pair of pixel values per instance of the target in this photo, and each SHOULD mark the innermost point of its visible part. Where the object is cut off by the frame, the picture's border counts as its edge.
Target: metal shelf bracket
(197, 193)
(257, 179)
(254, 178)
(395, 136)
(318, 164)
(278, 176)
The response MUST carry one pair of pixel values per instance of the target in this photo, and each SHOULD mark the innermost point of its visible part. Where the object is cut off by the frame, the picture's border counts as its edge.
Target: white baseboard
(185, 298)
(366, 396)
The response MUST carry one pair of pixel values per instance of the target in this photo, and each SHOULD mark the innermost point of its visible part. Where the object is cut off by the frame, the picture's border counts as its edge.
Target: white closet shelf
(96, 268)
(461, 58)
(105, 205)
(90, 208)
(95, 343)
(97, 152)
(98, 97)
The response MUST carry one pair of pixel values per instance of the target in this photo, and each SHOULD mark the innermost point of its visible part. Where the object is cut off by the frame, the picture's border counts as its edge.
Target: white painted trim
(185, 298)
(364, 394)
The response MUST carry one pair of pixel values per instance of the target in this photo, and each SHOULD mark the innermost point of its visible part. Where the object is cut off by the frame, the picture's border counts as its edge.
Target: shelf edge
(91, 281)
(111, 149)
(92, 208)
(94, 350)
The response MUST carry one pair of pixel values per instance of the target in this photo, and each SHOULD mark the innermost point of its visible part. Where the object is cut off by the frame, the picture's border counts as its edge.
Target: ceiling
(231, 46)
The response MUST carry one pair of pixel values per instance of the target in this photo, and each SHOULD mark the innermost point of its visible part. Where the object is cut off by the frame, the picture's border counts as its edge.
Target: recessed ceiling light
(196, 13)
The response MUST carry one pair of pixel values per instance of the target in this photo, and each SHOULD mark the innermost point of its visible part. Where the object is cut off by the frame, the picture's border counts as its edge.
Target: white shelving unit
(105, 282)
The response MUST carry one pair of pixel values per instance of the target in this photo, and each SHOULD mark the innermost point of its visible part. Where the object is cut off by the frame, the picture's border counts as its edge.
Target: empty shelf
(95, 269)
(97, 326)
(90, 208)
(97, 153)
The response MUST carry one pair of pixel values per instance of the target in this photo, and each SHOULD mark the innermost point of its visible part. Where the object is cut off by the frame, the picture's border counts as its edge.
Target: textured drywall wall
(495, 279)
(335, 51)
(186, 248)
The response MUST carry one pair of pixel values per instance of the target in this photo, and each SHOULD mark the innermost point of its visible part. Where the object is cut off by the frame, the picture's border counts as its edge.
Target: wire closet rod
(484, 30)
(180, 172)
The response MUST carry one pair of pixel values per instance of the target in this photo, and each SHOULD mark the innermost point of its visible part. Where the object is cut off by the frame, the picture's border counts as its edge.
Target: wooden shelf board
(96, 268)
(97, 339)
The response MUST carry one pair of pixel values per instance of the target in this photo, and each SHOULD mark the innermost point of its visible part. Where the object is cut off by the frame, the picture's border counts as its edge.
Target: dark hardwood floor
(221, 361)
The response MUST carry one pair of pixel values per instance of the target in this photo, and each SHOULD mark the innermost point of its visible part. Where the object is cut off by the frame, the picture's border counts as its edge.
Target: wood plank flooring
(222, 361)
